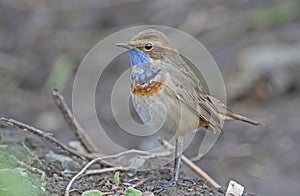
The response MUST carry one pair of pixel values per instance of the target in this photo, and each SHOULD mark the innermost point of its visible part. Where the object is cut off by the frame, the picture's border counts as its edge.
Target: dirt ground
(57, 179)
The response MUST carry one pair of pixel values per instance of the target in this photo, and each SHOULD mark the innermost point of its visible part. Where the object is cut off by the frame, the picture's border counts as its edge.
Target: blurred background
(255, 43)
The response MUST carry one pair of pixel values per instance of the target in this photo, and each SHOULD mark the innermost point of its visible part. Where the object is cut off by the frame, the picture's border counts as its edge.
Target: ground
(33, 151)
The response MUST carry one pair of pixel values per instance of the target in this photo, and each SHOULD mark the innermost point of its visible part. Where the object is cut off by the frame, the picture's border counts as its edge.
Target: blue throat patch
(138, 58)
(141, 60)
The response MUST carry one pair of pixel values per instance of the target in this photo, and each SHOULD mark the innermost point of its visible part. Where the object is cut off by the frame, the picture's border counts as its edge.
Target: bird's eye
(148, 46)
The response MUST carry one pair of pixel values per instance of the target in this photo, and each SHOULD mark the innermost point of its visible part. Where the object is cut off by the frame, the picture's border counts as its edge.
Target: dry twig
(47, 136)
(71, 121)
(81, 173)
(30, 168)
(193, 166)
(103, 160)
(35, 157)
(104, 170)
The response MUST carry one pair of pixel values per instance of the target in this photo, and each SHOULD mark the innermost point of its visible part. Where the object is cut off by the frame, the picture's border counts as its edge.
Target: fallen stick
(72, 123)
(25, 165)
(79, 174)
(35, 157)
(11, 123)
(193, 166)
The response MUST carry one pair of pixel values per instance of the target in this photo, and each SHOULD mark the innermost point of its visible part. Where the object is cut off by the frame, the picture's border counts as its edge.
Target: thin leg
(175, 175)
(178, 152)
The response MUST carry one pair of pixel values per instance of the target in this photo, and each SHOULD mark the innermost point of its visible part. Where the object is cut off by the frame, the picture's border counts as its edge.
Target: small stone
(130, 174)
(234, 189)
(148, 193)
(67, 163)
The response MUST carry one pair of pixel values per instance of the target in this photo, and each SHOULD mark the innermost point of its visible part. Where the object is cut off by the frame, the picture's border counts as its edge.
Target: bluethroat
(160, 75)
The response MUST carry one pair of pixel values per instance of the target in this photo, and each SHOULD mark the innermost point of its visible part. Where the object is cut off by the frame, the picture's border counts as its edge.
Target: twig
(120, 158)
(71, 121)
(47, 136)
(79, 174)
(104, 170)
(34, 170)
(35, 157)
(201, 172)
(139, 183)
(84, 171)
(109, 193)
(30, 168)
(193, 166)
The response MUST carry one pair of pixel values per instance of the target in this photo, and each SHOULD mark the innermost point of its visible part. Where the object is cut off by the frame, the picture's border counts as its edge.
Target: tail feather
(234, 116)
(230, 115)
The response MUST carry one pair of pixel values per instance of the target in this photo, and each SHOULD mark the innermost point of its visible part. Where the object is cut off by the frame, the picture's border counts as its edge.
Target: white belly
(178, 119)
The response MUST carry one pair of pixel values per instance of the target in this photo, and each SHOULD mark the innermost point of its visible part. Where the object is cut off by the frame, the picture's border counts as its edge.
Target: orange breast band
(148, 90)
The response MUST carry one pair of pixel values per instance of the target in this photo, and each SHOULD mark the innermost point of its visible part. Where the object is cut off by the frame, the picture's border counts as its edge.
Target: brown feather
(229, 114)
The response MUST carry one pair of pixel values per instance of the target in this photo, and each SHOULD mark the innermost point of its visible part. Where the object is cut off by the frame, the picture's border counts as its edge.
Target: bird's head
(147, 46)
(147, 49)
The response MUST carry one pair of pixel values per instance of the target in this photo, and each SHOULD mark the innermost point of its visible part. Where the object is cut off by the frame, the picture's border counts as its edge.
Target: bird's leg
(177, 161)
(178, 152)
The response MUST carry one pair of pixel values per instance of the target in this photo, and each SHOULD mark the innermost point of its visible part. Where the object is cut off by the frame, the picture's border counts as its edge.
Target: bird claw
(165, 186)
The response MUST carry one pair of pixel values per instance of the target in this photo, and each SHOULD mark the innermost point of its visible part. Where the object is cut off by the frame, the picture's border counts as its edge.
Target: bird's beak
(124, 45)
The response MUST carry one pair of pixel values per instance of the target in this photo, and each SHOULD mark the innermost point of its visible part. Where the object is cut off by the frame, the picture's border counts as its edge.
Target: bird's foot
(165, 186)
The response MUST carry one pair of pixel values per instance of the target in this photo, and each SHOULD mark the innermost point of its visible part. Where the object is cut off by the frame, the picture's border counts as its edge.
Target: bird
(160, 75)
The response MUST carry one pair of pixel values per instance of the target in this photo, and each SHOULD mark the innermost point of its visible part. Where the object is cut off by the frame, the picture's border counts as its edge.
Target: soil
(151, 181)
(145, 181)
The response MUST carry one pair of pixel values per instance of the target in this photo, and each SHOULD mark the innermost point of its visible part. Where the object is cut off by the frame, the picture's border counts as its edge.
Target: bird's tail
(224, 111)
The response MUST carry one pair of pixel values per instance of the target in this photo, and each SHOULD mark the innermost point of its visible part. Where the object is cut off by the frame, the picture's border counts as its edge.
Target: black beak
(123, 45)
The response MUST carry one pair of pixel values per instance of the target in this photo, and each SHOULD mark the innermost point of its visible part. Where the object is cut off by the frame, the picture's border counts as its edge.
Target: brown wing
(190, 92)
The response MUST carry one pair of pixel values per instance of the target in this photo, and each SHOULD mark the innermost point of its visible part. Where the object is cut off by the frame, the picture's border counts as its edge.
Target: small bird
(160, 75)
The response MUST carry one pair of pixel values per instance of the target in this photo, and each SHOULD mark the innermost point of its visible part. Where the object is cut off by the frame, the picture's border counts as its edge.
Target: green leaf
(16, 180)
(92, 193)
(130, 191)
(117, 178)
